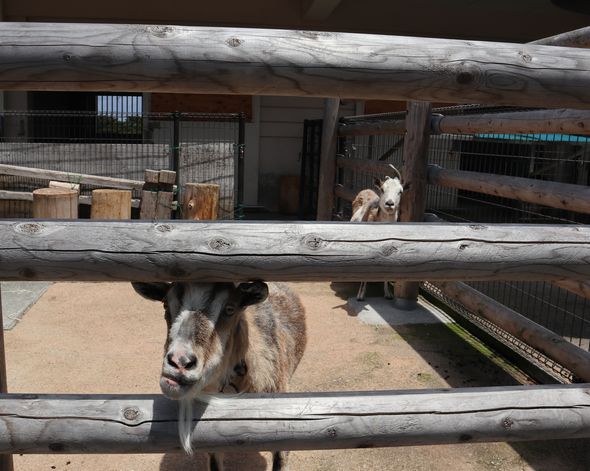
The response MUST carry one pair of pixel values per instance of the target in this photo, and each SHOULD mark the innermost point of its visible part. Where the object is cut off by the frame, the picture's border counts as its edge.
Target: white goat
(225, 337)
(382, 207)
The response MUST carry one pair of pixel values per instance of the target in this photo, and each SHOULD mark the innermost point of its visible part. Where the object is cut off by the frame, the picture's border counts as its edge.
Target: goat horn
(396, 171)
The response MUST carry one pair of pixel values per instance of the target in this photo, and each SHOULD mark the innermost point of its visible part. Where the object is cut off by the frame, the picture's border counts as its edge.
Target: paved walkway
(17, 298)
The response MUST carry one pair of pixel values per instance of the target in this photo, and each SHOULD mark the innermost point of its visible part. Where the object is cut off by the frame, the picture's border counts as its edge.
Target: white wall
(280, 141)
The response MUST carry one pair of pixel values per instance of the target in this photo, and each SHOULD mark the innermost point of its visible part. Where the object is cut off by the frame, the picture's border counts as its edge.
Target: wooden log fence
(560, 121)
(299, 421)
(556, 195)
(241, 251)
(183, 59)
(544, 340)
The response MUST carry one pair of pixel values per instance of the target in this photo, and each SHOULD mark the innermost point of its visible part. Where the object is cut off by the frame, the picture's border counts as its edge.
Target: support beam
(373, 128)
(297, 421)
(184, 59)
(556, 195)
(413, 202)
(242, 251)
(576, 38)
(547, 342)
(327, 178)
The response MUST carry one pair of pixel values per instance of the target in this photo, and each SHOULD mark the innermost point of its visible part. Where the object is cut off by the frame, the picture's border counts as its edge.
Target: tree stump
(111, 204)
(200, 201)
(55, 203)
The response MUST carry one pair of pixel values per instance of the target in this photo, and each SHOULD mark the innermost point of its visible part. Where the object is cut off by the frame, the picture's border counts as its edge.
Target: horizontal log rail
(344, 193)
(576, 38)
(560, 121)
(239, 251)
(6, 195)
(298, 421)
(544, 340)
(70, 177)
(553, 194)
(183, 59)
(373, 167)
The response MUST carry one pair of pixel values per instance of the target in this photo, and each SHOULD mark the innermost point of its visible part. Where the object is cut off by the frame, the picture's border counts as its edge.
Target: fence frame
(546, 76)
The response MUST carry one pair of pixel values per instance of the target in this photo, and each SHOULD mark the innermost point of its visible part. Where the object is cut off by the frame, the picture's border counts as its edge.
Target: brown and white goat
(225, 337)
(382, 207)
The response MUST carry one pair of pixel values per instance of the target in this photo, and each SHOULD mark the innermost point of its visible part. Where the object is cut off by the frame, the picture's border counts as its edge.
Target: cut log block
(55, 203)
(200, 201)
(111, 204)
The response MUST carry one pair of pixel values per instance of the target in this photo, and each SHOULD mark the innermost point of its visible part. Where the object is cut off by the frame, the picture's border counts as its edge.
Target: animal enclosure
(182, 59)
(204, 148)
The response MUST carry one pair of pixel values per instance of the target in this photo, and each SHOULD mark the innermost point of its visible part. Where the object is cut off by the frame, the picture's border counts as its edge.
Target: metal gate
(310, 169)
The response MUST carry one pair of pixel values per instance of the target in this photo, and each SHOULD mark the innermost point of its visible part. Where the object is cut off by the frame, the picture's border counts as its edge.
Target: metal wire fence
(202, 148)
(552, 157)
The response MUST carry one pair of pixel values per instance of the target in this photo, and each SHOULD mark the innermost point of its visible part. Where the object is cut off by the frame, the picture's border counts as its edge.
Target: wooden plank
(200, 201)
(184, 59)
(327, 177)
(28, 196)
(344, 193)
(56, 203)
(110, 204)
(240, 251)
(413, 202)
(579, 287)
(547, 342)
(373, 167)
(42, 174)
(296, 421)
(556, 195)
(560, 121)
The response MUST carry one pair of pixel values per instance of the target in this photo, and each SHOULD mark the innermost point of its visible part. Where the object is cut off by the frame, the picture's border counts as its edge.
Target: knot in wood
(477, 227)
(525, 57)
(159, 31)
(29, 228)
(163, 228)
(331, 432)
(220, 244)
(234, 42)
(463, 246)
(67, 57)
(131, 413)
(313, 242)
(507, 423)
(388, 250)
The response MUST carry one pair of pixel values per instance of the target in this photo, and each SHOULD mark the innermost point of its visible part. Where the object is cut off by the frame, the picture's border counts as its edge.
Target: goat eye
(230, 310)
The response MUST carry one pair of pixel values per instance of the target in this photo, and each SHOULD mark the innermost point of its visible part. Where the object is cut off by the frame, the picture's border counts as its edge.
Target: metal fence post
(175, 154)
(241, 162)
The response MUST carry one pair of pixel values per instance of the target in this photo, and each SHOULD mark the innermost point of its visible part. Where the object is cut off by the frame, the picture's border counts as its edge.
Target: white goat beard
(185, 417)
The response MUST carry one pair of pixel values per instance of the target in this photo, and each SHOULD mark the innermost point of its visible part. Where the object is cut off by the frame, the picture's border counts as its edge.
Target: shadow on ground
(462, 361)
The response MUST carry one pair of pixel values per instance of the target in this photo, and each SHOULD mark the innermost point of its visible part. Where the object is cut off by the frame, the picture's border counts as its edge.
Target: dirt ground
(102, 338)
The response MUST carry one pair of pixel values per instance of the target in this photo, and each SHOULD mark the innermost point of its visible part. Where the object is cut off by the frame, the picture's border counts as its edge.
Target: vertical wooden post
(111, 204)
(149, 195)
(327, 178)
(5, 459)
(414, 172)
(166, 179)
(200, 201)
(55, 203)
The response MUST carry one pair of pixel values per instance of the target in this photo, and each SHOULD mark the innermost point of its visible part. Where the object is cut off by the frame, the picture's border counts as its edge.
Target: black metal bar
(241, 162)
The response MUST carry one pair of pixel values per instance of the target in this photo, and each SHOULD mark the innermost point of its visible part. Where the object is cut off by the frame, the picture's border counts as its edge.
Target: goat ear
(378, 182)
(152, 291)
(252, 293)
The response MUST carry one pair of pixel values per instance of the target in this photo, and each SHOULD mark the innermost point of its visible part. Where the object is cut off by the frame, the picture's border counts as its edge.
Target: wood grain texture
(182, 59)
(242, 251)
(6, 195)
(547, 342)
(562, 121)
(55, 203)
(42, 174)
(200, 201)
(556, 195)
(375, 128)
(148, 424)
(415, 164)
(327, 172)
(111, 204)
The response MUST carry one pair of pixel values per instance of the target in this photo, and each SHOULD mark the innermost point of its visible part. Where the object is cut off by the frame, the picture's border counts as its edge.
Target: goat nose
(186, 361)
(390, 203)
